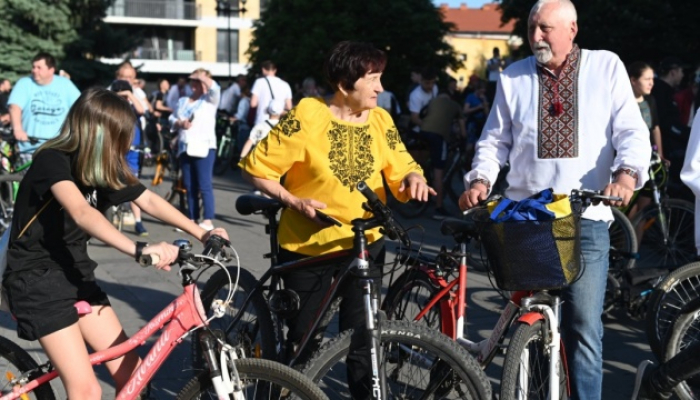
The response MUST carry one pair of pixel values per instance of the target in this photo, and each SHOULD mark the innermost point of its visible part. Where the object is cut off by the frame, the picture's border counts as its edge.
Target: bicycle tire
(165, 179)
(254, 332)
(288, 381)
(623, 250)
(666, 302)
(680, 249)
(15, 360)
(7, 199)
(224, 155)
(527, 342)
(400, 342)
(454, 178)
(685, 332)
(408, 295)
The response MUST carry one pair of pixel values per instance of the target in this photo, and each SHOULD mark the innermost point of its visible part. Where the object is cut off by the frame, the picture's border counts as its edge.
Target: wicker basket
(534, 255)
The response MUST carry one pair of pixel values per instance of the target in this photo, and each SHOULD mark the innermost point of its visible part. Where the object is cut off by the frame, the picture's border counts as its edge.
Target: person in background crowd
(642, 80)
(260, 131)
(674, 133)
(350, 127)
(494, 66)
(268, 88)
(242, 116)
(435, 129)
(547, 121)
(5, 89)
(39, 104)
(161, 108)
(176, 92)
(388, 101)
(133, 158)
(195, 122)
(452, 90)
(687, 99)
(127, 72)
(422, 95)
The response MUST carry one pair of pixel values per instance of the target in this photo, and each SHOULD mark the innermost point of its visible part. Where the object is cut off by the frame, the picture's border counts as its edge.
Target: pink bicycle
(228, 374)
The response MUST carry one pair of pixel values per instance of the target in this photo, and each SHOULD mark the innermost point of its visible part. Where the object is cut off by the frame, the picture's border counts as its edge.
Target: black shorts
(42, 300)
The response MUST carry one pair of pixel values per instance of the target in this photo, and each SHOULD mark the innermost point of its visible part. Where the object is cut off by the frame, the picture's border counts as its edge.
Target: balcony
(165, 9)
(165, 54)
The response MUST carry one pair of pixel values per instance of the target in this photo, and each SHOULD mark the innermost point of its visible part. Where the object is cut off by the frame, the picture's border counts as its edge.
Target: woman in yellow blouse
(324, 150)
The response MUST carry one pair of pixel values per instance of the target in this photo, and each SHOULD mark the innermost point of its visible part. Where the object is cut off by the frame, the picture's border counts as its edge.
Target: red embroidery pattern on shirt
(558, 112)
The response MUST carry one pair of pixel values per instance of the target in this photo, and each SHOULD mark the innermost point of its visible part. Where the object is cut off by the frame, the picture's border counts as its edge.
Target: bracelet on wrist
(626, 171)
(139, 249)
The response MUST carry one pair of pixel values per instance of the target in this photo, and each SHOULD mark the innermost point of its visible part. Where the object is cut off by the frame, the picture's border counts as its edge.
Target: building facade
(182, 35)
(477, 31)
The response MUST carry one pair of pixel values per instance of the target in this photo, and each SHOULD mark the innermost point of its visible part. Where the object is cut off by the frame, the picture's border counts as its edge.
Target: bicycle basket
(534, 255)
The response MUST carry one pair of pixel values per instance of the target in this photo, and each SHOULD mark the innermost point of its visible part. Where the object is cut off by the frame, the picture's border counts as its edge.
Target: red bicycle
(228, 375)
(434, 292)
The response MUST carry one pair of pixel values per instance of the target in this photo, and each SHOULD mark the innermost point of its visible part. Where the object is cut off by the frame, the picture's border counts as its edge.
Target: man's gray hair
(566, 9)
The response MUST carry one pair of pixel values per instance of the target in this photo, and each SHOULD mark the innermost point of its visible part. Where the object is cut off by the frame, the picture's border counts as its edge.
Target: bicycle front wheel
(526, 370)
(666, 241)
(685, 333)
(14, 361)
(261, 379)
(254, 332)
(667, 301)
(8, 193)
(417, 363)
(622, 256)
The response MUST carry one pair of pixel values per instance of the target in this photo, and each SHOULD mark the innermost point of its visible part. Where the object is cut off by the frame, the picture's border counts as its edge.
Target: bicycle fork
(552, 338)
(226, 382)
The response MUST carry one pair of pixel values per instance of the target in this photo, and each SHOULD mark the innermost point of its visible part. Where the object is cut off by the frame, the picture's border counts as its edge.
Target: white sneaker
(128, 219)
(206, 227)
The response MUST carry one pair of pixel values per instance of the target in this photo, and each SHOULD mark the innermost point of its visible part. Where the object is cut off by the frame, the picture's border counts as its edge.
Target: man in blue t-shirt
(39, 104)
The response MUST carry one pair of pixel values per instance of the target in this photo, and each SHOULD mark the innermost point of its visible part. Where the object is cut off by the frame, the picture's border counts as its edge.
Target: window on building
(226, 42)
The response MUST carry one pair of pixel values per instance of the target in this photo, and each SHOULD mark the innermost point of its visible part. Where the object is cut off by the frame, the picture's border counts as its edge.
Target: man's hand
(5, 119)
(21, 135)
(184, 124)
(622, 187)
(308, 207)
(418, 188)
(471, 198)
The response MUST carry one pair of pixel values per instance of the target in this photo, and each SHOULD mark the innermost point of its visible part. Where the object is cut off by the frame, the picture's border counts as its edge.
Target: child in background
(260, 131)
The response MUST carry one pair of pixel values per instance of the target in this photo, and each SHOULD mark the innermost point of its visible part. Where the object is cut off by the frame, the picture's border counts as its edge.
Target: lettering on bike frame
(183, 314)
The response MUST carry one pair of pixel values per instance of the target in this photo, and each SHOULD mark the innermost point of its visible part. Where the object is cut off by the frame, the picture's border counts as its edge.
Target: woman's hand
(166, 252)
(418, 188)
(216, 231)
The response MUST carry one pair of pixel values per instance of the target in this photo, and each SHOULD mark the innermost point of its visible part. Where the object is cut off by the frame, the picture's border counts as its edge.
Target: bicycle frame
(177, 320)
(522, 306)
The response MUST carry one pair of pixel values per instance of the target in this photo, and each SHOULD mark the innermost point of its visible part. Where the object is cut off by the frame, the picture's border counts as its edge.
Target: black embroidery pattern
(289, 124)
(392, 137)
(350, 157)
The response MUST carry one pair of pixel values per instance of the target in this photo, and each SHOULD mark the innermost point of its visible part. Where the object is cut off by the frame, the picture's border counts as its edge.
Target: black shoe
(441, 213)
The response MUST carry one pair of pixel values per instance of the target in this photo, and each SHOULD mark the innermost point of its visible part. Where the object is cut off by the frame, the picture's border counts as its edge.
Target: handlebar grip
(147, 260)
(367, 192)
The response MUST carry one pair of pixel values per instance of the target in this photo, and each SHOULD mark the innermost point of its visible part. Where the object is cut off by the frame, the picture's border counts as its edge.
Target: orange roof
(486, 19)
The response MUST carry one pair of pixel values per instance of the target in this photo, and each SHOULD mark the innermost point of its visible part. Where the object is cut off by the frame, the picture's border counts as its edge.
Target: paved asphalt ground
(137, 294)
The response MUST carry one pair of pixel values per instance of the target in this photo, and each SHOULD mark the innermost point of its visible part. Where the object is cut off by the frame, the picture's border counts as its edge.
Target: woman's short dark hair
(349, 61)
(637, 68)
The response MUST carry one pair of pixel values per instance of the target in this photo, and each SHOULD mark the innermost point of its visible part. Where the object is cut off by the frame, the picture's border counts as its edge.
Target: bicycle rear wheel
(224, 153)
(622, 256)
(526, 371)
(14, 361)
(679, 249)
(261, 379)
(667, 301)
(417, 363)
(8, 186)
(164, 180)
(409, 295)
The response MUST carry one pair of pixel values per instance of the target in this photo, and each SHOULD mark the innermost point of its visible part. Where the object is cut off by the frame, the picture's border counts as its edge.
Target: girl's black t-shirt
(54, 240)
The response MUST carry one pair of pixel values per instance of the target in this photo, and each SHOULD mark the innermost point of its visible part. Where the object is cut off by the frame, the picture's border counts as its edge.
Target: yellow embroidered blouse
(324, 158)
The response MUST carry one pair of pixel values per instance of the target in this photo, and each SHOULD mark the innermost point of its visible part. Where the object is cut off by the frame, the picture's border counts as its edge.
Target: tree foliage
(646, 30)
(73, 31)
(297, 34)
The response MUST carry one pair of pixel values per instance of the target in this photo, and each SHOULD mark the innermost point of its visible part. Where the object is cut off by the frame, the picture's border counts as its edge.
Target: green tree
(73, 31)
(297, 34)
(646, 30)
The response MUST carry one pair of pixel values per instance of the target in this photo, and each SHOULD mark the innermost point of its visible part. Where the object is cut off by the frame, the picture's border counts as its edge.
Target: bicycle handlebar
(382, 213)
(215, 247)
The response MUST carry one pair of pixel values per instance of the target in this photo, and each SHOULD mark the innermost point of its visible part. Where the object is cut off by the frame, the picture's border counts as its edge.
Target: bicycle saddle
(251, 203)
(467, 228)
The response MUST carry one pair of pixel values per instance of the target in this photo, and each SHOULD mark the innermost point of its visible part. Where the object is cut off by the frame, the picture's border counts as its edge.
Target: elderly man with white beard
(566, 118)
